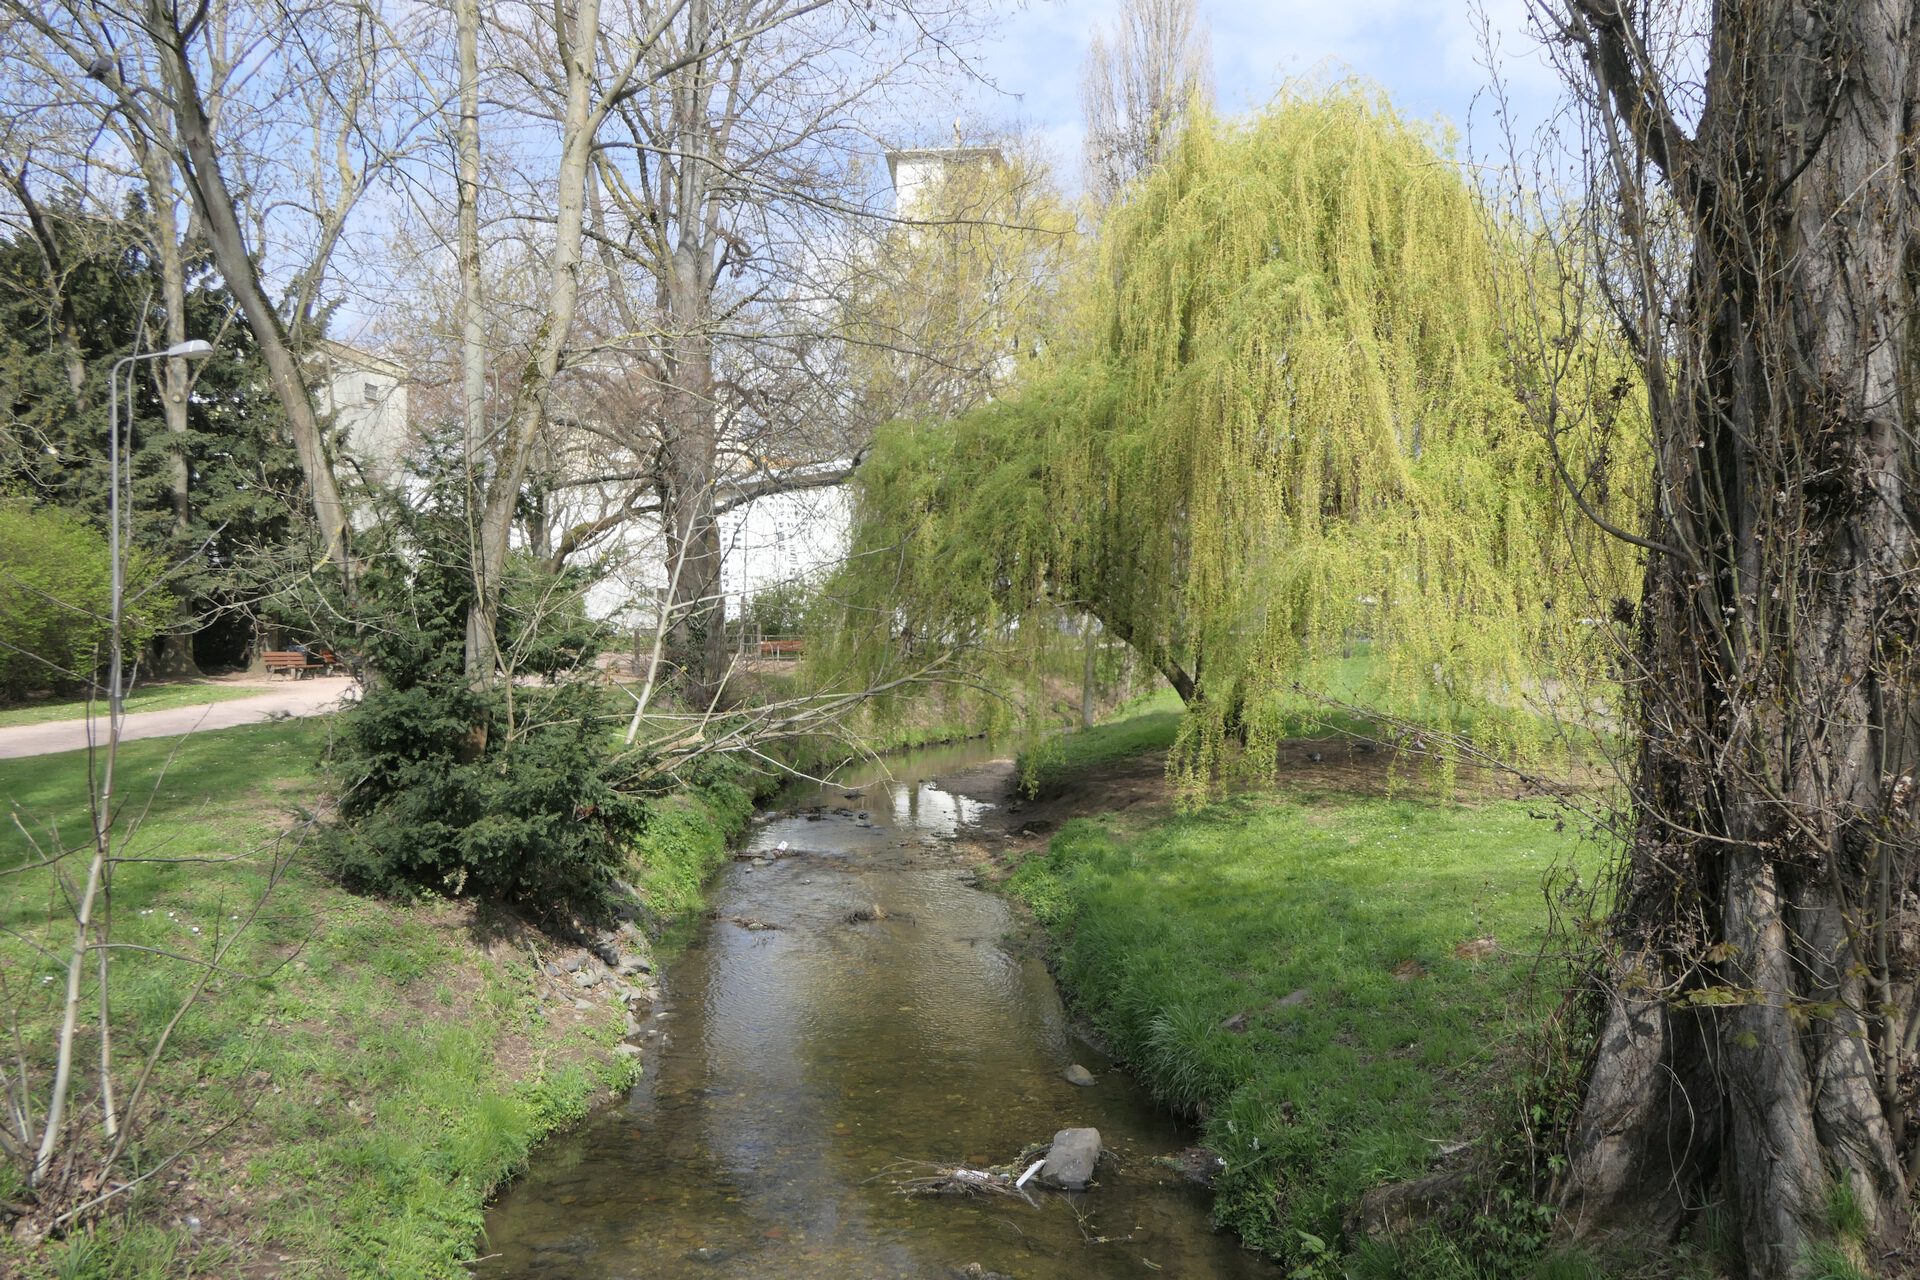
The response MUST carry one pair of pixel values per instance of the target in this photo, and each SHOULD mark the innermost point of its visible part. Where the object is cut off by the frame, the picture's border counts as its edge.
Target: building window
(370, 392)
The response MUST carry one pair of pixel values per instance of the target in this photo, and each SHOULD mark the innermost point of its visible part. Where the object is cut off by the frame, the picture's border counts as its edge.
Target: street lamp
(192, 349)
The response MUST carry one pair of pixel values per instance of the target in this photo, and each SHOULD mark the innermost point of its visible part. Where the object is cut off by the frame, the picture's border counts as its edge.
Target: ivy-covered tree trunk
(1757, 1050)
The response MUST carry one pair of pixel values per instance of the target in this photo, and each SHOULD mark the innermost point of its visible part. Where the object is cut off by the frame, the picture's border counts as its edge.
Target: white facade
(780, 540)
(366, 395)
(918, 174)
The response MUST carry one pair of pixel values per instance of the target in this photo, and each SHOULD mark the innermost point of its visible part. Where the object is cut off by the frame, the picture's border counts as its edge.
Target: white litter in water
(781, 847)
(1032, 1169)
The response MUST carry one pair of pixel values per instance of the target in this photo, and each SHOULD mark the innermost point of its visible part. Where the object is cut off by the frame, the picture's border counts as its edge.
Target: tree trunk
(59, 303)
(1752, 1048)
(176, 649)
(473, 337)
(1088, 638)
(207, 187)
(528, 416)
(696, 644)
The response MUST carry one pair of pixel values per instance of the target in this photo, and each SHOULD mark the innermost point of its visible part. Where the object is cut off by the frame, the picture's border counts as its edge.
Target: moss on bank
(355, 1101)
(1325, 979)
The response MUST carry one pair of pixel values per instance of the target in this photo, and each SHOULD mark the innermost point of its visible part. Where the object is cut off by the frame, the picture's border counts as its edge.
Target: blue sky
(1425, 53)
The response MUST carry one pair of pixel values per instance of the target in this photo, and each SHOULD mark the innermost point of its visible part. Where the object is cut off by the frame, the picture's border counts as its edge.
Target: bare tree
(1136, 88)
(727, 187)
(1756, 219)
(166, 82)
(577, 37)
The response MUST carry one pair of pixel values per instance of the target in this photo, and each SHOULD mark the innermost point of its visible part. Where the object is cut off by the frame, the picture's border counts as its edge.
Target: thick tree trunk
(1752, 1051)
(1157, 655)
(207, 187)
(696, 642)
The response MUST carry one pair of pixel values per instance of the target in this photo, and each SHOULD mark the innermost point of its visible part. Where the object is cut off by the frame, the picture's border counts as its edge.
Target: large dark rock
(1071, 1159)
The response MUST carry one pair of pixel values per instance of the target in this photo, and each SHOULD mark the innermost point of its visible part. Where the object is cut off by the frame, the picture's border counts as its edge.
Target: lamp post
(117, 536)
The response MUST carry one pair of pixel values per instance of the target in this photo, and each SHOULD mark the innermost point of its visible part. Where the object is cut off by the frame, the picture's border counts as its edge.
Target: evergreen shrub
(507, 791)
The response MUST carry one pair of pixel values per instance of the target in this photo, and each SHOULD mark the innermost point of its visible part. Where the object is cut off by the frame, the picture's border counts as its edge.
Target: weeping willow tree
(1291, 418)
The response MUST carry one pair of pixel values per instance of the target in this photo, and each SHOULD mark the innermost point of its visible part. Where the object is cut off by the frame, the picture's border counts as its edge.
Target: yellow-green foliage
(949, 305)
(56, 597)
(1293, 418)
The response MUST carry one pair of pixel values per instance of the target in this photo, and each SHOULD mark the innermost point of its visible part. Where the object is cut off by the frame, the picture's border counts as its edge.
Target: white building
(783, 538)
(776, 541)
(918, 174)
(366, 395)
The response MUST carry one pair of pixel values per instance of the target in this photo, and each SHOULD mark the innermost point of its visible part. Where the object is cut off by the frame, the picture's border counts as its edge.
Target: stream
(805, 1060)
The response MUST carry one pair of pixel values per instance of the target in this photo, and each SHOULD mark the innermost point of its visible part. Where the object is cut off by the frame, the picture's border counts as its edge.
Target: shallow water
(797, 1074)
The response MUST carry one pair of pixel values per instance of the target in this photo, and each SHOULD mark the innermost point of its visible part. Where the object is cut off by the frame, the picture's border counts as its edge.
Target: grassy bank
(364, 1073)
(1325, 974)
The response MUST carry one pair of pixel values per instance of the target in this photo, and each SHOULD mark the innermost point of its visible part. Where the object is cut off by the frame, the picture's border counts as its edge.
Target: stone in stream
(1077, 1074)
(1070, 1161)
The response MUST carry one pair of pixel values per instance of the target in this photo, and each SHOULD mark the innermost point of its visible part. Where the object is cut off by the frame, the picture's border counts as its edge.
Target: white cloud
(1425, 53)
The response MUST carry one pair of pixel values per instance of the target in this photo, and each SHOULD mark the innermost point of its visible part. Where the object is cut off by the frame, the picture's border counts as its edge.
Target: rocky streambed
(854, 1025)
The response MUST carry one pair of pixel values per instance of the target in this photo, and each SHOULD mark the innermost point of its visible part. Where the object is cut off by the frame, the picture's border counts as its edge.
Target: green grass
(362, 1073)
(1146, 724)
(1284, 965)
(1151, 722)
(151, 697)
(690, 833)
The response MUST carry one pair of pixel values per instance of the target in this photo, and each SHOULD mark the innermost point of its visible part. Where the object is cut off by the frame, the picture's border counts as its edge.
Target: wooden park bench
(297, 664)
(781, 648)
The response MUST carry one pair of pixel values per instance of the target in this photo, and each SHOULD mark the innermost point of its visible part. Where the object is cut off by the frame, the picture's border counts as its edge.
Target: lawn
(148, 697)
(356, 1098)
(1330, 980)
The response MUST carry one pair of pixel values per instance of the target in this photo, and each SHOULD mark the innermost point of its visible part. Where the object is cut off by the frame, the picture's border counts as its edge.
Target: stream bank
(1341, 979)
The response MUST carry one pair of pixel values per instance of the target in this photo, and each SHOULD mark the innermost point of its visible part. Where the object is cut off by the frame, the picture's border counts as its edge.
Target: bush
(56, 593)
(503, 792)
(779, 610)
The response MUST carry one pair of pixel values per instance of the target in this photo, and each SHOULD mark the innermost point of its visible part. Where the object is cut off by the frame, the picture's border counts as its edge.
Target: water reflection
(883, 1023)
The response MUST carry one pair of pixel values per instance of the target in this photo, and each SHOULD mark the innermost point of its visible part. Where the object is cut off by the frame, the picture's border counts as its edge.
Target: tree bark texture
(1756, 1046)
(696, 640)
(579, 43)
(473, 338)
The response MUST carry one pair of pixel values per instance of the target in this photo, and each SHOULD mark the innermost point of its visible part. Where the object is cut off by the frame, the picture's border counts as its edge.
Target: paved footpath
(312, 696)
